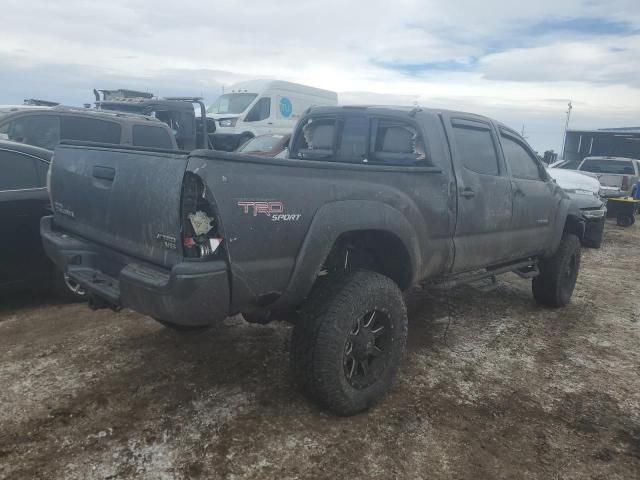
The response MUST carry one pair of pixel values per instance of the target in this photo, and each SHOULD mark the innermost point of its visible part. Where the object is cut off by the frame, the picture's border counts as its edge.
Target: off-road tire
(63, 290)
(554, 285)
(593, 242)
(625, 220)
(324, 328)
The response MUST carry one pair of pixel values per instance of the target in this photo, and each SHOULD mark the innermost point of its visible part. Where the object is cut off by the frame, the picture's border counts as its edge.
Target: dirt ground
(492, 386)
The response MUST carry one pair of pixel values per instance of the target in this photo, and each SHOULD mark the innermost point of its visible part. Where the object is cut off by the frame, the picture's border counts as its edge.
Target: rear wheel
(554, 285)
(347, 345)
(625, 220)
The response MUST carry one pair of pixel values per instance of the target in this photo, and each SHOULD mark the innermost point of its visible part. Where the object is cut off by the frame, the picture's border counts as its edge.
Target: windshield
(232, 103)
(617, 167)
(264, 143)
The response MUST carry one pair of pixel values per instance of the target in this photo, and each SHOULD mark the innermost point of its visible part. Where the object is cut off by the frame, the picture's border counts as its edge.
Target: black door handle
(105, 173)
(467, 193)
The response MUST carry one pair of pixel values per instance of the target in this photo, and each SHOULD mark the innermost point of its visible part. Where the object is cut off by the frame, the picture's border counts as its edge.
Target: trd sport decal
(274, 210)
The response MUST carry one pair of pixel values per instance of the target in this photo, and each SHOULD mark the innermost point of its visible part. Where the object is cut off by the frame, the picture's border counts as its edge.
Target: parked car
(257, 107)
(371, 201)
(617, 175)
(268, 145)
(584, 192)
(34, 132)
(23, 201)
(44, 127)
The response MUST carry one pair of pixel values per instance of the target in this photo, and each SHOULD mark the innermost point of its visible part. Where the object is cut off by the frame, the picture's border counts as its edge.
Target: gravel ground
(492, 386)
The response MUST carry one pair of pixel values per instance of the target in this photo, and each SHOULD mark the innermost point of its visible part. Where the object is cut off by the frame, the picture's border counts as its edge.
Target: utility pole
(566, 127)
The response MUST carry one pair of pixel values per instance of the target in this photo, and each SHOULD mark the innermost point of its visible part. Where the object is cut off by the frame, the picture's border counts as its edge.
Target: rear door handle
(104, 173)
(467, 193)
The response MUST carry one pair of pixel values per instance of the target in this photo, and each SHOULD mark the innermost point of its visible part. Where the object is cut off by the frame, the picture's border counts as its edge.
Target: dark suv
(45, 126)
(34, 131)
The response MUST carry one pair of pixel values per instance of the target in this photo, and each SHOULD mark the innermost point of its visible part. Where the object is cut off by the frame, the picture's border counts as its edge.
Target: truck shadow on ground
(12, 303)
(151, 380)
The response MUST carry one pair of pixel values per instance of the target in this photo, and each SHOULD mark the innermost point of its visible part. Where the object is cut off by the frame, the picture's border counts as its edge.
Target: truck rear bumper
(190, 293)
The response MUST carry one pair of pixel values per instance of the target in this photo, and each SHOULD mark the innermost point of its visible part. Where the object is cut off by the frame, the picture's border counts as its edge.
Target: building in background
(618, 142)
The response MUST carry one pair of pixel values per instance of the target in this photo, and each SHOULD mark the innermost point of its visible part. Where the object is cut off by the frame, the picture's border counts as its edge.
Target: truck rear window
(361, 139)
(152, 137)
(615, 167)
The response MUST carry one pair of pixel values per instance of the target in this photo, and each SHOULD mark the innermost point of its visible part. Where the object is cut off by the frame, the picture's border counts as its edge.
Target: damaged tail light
(200, 237)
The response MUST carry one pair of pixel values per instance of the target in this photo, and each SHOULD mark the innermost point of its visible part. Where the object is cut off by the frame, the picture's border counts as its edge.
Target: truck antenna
(566, 127)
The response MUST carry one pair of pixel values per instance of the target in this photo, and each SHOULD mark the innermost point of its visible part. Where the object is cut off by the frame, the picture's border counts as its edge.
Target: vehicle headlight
(591, 214)
(228, 122)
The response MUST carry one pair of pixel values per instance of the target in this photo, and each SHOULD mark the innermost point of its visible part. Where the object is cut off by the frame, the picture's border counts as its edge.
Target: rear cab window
(367, 139)
(317, 139)
(89, 129)
(152, 137)
(47, 130)
(614, 167)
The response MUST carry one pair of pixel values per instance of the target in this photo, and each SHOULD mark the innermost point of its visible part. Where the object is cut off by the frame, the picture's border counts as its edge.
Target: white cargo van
(256, 107)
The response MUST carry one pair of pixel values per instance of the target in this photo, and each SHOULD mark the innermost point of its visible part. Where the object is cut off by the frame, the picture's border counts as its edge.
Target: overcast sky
(519, 62)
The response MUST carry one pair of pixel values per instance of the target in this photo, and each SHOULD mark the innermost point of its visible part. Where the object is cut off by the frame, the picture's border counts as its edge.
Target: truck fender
(566, 217)
(337, 218)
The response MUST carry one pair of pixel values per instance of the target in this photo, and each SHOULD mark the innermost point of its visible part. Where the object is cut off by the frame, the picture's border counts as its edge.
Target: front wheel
(554, 285)
(347, 345)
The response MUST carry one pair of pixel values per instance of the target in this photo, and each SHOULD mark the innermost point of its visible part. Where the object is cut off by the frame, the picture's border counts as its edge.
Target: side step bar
(525, 269)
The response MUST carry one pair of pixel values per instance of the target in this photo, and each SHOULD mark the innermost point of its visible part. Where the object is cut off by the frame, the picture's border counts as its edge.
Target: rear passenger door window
(476, 148)
(89, 129)
(152, 137)
(521, 162)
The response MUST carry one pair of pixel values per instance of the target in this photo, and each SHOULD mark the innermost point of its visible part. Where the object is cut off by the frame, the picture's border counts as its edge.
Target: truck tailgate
(126, 199)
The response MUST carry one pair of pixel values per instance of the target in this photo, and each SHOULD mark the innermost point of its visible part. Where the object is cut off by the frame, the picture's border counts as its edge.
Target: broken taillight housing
(200, 231)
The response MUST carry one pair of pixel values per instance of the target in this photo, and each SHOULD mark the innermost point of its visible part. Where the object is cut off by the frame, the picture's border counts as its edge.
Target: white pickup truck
(617, 175)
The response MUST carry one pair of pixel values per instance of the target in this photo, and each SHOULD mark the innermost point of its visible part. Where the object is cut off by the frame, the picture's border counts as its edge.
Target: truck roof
(260, 85)
(8, 109)
(396, 110)
(598, 157)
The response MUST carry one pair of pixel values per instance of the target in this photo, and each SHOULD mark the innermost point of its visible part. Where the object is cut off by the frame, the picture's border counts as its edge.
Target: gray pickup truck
(370, 201)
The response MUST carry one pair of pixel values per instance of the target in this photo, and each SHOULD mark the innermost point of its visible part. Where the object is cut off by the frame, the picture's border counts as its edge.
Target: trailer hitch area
(98, 303)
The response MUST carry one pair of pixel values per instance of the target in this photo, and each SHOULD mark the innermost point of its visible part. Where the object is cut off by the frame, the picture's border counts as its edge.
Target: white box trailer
(257, 107)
